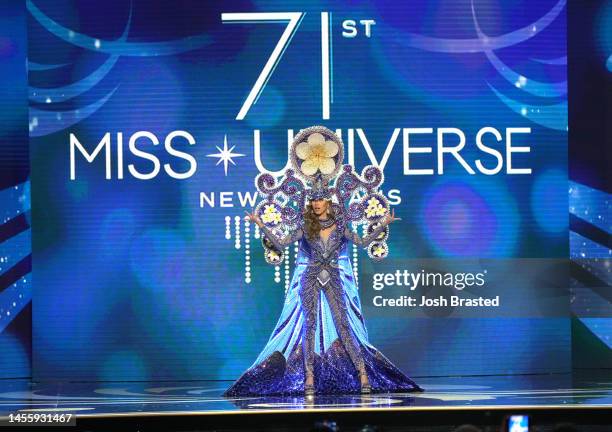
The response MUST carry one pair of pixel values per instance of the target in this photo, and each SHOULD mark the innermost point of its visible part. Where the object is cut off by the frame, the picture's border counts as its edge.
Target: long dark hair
(312, 226)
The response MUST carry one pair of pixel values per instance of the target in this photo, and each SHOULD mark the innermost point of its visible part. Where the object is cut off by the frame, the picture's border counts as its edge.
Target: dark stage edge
(584, 397)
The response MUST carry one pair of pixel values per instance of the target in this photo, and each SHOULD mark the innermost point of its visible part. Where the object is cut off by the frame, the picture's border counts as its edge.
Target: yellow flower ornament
(317, 154)
(375, 208)
(271, 215)
(378, 251)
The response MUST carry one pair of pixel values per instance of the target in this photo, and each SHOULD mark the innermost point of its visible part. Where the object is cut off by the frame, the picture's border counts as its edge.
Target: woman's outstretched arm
(280, 243)
(367, 239)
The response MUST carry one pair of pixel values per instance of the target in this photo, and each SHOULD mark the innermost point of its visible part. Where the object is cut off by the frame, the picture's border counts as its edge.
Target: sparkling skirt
(334, 373)
(322, 319)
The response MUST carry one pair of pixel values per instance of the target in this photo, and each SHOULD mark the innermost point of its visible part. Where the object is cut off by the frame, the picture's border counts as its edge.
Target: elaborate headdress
(316, 156)
(319, 190)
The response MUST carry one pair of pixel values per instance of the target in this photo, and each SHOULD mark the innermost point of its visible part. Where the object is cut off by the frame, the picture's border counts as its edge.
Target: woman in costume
(320, 343)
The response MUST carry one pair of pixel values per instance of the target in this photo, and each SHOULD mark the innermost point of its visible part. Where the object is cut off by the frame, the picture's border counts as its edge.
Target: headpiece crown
(319, 189)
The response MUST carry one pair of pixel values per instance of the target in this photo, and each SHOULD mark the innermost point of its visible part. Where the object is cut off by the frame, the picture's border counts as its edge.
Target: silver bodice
(323, 253)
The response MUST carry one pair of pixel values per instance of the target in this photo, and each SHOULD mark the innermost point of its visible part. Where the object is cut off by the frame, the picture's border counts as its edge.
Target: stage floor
(593, 389)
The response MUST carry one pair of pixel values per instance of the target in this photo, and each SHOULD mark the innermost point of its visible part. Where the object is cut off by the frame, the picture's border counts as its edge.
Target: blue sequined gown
(321, 328)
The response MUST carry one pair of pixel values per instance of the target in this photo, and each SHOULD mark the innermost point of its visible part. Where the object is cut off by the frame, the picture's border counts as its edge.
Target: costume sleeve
(365, 240)
(280, 243)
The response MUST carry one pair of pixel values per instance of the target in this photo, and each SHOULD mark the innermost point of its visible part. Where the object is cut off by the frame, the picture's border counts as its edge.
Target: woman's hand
(254, 218)
(390, 217)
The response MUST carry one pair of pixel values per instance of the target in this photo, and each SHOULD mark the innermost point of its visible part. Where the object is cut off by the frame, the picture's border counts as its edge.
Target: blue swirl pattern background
(128, 263)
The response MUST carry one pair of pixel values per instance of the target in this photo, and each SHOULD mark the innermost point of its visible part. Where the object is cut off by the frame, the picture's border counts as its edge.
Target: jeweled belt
(328, 260)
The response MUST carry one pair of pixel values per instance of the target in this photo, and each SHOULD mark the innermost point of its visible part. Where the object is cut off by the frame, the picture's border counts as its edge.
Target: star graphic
(225, 155)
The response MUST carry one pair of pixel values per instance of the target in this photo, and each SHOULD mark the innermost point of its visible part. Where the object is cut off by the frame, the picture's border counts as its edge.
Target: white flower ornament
(317, 154)
(273, 256)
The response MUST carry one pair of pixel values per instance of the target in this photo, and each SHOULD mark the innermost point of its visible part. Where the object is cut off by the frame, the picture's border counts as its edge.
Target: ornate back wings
(356, 199)
(316, 157)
